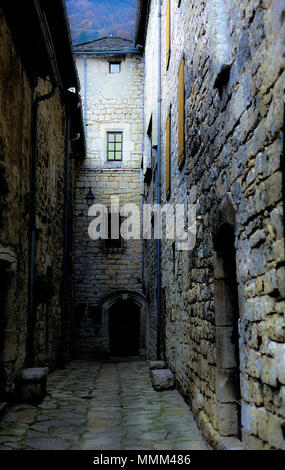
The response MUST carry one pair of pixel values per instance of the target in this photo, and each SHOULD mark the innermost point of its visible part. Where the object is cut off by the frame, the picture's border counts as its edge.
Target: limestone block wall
(114, 103)
(16, 98)
(233, 172)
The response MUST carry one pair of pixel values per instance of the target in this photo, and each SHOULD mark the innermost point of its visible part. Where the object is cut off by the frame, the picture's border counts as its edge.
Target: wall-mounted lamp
(90, 198)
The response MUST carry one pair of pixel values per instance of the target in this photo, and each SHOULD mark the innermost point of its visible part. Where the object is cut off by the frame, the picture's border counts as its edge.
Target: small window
(114, 146)
(114, 67)
(112, 245)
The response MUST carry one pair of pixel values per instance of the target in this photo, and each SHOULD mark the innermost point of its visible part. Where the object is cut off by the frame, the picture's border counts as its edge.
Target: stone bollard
(33, 384)
(162, 379)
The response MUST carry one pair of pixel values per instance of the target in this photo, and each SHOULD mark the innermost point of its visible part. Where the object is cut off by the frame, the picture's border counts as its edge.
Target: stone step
(162, 379)
(230, 443)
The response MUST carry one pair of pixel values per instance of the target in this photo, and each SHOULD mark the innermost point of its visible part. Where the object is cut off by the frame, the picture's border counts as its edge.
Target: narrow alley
(142, 226)
(102, 406)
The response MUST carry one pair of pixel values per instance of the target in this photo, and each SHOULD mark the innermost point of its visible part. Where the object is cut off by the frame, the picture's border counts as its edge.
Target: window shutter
(167, 33)
(168, 150)
(181, 150)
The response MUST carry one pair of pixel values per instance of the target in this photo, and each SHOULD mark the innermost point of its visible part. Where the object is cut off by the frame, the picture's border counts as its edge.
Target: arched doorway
(123, 318)
(124, 328)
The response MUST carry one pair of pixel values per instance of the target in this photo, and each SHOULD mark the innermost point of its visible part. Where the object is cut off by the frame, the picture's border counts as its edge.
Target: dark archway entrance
(124, 329)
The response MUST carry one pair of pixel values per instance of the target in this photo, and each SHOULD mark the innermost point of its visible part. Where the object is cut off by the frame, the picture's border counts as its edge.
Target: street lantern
(90, 198)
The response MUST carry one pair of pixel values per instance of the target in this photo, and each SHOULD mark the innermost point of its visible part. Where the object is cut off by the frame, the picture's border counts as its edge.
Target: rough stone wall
(233, 142)
(14, 168)
(50, 216)
(114, 103)
(16, 97)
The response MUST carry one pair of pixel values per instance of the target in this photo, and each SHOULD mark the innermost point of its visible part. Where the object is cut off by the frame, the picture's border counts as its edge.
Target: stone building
(216, 312)
(40, 117)
(109, 299)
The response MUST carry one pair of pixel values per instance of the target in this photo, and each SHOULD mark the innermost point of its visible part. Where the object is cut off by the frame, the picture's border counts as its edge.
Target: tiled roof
(108, 44)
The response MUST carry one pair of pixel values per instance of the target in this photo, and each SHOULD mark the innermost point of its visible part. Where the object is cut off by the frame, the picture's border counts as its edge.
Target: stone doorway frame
(108, 302)
(225, 312)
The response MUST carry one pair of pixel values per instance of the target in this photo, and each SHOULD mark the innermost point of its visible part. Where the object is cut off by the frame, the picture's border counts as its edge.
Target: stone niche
(227, 318)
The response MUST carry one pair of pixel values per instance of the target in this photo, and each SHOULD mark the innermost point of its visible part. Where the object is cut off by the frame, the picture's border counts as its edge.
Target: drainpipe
(65, 233)
(85, 95)
(31, 312)
(158, 182)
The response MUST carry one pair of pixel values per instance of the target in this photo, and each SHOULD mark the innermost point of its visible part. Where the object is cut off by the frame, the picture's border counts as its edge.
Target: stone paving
(102, 406)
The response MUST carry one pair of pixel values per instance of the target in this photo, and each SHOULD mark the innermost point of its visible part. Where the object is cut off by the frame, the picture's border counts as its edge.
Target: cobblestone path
(102, 406)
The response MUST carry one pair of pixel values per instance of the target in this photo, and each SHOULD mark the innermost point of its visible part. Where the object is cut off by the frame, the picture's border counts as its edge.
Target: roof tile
(107, 44)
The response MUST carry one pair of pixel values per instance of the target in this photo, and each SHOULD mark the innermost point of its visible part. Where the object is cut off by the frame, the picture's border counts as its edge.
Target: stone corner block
(157, 365)
(162, 379)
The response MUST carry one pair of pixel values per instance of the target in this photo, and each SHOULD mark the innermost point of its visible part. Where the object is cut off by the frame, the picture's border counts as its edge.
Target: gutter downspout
(31, 311)
(158, 183)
